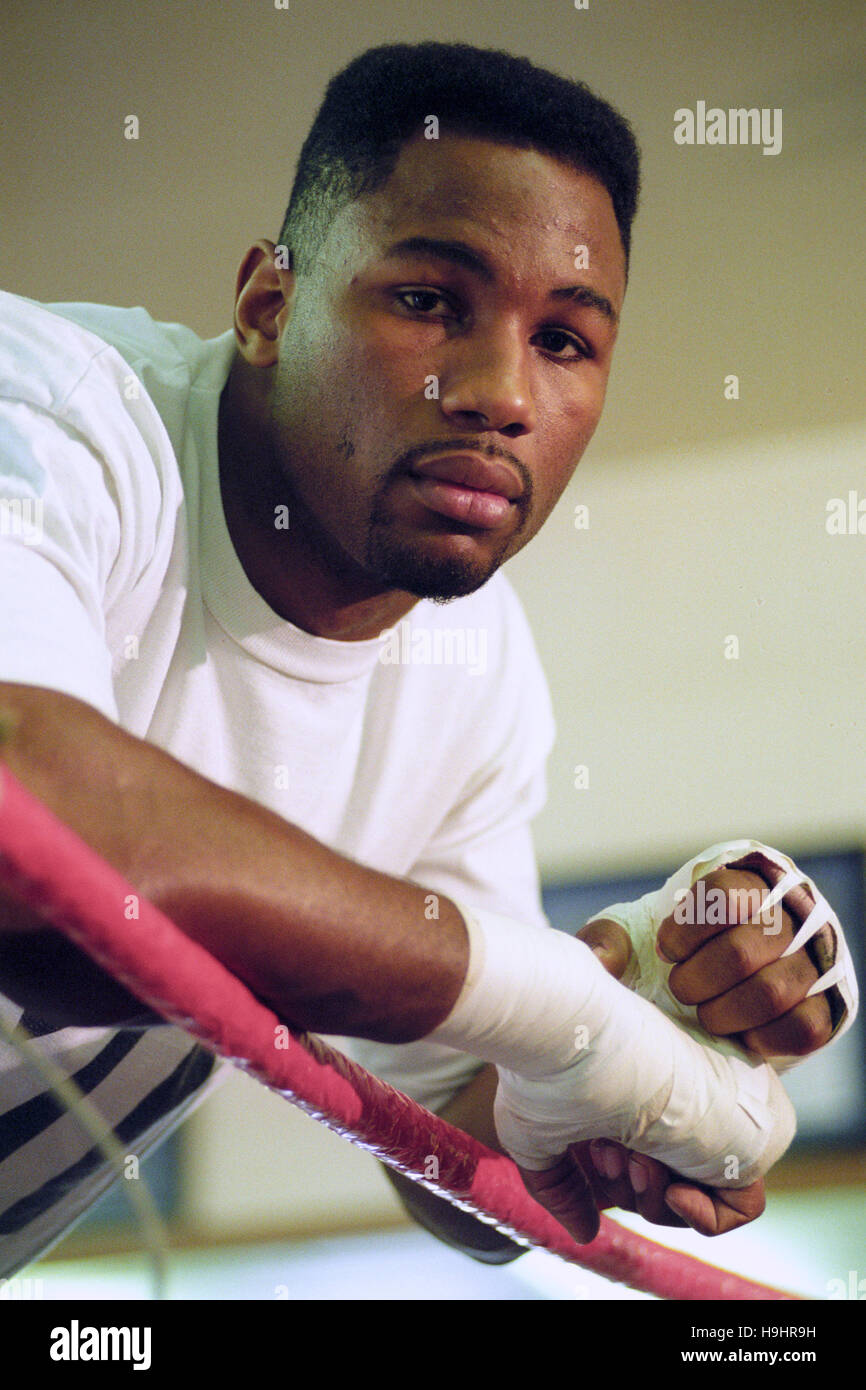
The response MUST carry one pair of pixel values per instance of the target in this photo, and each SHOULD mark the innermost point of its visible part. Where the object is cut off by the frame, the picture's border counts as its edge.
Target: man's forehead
(500, 189)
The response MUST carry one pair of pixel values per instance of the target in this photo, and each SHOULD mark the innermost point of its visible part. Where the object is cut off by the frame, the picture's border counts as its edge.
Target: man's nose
(487, 384)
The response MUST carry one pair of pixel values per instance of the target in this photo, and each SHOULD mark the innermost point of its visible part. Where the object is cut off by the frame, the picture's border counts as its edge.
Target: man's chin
(438, 578)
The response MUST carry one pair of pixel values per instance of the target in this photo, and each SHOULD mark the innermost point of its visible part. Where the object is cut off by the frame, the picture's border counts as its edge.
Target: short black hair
(380, 100)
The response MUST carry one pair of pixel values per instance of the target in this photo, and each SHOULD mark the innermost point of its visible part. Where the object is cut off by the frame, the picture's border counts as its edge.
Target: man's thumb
(611, 944)
(566, 1192)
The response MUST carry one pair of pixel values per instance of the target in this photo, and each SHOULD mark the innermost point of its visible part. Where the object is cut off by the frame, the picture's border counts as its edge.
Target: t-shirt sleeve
(59, 538)
(88, 502)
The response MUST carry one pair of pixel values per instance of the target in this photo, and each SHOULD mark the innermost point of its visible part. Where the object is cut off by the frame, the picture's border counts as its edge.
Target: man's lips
(472, 471)
(467, 487)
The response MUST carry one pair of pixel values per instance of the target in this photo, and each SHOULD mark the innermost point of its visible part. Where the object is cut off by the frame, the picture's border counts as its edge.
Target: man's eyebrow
(458, 253)
(590, 299)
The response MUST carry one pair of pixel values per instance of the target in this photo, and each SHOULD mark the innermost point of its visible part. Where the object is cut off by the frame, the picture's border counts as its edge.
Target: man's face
(444, 367)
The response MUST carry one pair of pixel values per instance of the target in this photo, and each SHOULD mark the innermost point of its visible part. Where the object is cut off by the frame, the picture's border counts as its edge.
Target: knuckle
(739, 957)
(720, 878)
(810, 1029)
(772, 995)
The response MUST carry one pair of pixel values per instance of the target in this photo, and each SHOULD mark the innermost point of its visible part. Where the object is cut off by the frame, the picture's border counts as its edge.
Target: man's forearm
(331, 945)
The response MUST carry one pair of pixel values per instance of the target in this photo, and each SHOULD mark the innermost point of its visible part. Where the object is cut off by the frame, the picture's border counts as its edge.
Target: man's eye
(423, 301)
(562, 344)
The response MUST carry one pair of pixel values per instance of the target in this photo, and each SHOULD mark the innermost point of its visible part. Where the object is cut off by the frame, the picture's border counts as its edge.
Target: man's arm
(332, 946)
(612, 1175)
(335, 947)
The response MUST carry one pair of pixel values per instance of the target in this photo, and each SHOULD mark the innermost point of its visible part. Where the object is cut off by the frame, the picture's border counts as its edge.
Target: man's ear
(263, 295)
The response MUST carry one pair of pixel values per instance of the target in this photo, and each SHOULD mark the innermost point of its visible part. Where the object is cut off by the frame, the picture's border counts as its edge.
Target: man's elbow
(452, 1226)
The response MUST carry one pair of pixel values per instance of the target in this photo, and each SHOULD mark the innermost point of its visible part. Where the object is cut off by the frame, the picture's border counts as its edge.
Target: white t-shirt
(421, 754)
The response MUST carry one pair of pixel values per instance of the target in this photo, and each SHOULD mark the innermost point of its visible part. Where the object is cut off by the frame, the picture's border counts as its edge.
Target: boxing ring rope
(45, 865)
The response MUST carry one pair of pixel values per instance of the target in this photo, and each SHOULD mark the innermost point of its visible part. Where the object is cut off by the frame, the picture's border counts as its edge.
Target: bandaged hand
(597, 1175)
(715, 946)
(579, 1056)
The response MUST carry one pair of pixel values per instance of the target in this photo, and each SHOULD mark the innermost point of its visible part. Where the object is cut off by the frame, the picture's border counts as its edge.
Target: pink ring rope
(45, 865)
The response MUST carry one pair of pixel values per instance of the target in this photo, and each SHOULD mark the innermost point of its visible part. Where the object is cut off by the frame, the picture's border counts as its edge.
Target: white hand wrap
(647, 974)
(582, 1057)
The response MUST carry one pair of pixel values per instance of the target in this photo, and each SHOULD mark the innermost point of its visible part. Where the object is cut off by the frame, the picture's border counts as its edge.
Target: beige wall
(690, 558)
(707, 516)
